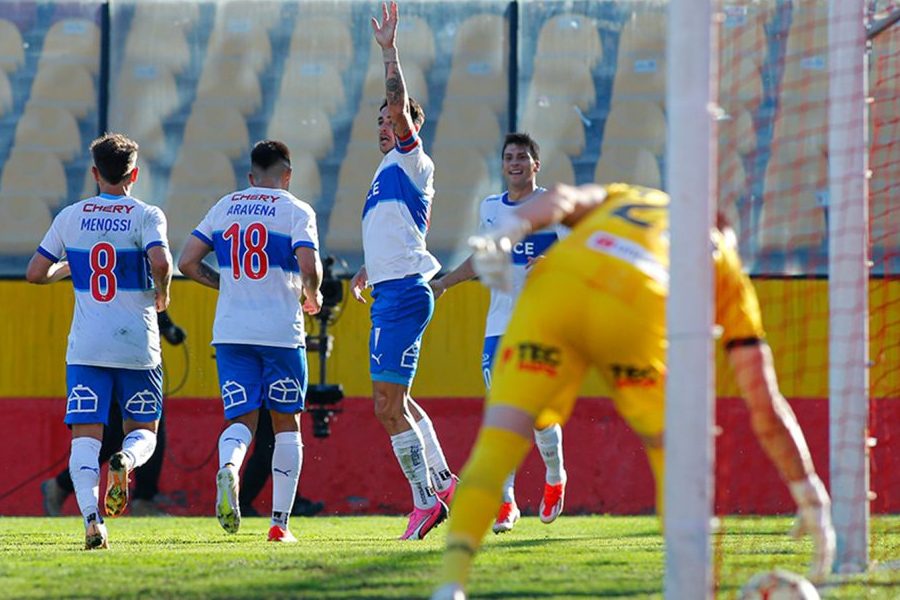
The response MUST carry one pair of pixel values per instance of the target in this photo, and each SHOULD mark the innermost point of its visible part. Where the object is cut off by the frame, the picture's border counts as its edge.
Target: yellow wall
(35, 322)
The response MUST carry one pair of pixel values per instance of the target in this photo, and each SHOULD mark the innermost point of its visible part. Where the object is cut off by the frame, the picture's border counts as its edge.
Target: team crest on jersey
(142, 403)
(233, 394)
(285, 391)
(82, 399)
(410, 356)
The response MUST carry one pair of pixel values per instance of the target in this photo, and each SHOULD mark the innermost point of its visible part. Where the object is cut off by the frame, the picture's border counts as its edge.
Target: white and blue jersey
(105, 239)
(254, 233)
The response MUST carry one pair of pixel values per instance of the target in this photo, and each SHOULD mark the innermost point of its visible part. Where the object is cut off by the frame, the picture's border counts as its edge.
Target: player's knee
(387, 408)
(285, 422)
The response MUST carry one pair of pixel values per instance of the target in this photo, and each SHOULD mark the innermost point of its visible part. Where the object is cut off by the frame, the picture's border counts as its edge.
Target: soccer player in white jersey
(397, 264)
(520, 165)
(116, 250)
(266, 244)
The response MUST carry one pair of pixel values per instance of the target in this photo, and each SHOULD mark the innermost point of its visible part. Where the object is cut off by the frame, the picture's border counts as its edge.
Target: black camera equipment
(171, 332)
(322, 399)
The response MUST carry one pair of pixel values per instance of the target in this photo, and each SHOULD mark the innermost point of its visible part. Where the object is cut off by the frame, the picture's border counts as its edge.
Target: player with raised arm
(609, 284)
(266, 244)
(398, 265)
(116, 250)
(520, 165)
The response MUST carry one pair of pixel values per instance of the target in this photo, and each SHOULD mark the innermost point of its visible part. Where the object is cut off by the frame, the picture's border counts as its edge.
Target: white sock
(509, 488)
(233, 445)
(286, 462)
(139, 445)
(549, 442)
(441, 477)
(84, 467)
(408, 448)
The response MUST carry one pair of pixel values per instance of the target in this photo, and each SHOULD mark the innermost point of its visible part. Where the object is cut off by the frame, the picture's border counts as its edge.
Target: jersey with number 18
(254, 233)
(105, 239)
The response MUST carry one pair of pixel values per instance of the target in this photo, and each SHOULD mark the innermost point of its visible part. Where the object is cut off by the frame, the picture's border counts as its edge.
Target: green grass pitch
(359, 557)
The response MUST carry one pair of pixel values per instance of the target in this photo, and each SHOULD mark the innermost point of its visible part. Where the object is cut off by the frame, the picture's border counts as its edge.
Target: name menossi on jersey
(397, 213)
(105, 239)
(254, 233)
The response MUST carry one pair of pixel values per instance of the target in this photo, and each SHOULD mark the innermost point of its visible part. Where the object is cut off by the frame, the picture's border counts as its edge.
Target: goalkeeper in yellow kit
(598, 299)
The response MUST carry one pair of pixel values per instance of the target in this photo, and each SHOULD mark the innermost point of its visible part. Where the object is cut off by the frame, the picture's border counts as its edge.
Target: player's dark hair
(115, 156)
(522, 139)
(416, 112)
(267, 153)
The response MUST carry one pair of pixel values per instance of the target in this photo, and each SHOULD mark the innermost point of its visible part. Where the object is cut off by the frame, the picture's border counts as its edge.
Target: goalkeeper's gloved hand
(814, 518)
(491, 251)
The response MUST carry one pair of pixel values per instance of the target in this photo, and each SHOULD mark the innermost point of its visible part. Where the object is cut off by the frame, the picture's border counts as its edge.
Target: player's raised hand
(814, 519)
(491, 261)
(386, 31)
(312, 304)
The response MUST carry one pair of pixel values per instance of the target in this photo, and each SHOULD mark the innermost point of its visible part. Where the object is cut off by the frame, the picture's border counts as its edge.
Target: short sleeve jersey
(105, 239)
(254, 234)
(397, 214)
(492, 211)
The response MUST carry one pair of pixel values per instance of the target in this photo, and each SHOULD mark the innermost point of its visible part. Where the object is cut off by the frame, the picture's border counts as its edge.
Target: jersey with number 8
(254, 233)
(105, 239)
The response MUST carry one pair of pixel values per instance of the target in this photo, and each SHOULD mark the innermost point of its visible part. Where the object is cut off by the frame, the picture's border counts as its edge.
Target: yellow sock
(657, 458)
(496, 453)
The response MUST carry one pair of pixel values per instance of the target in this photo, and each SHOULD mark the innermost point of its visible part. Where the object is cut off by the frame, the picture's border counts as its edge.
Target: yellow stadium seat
(732, 186)
(73, 41)
(240, 15)
(178, 15)
(205, 172)
(570, 39)
(364, 130)
(556, 127)
(48, 129)
(144, 92)
(313, 84)
(638, 123)
(306, 184)
(229, 83)
(321, 39)
(23, 222)
(219, 128)
(462, 180)
(66, 86)
(39, 175)
(345, 226)
(12, 49)
(742, 49)
(354, 180)
(644, 34)
(806, 56)
(482, 39)
(373, 88)
(184, 211)
(6, 95)
(640, 77)
(477, 82)
(303, 128)
(240, 40)
(629, 164)
(412, 32)
(165, 47)
(555, 168)
(465, 127)
(736, 133)
(562, 82)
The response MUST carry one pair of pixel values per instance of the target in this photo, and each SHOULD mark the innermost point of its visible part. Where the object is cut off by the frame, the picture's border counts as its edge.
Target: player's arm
(161, 270)
(42, 270)
(192, 266)
(395, 86)
(463, 272)
(310, 278)
(359, 282)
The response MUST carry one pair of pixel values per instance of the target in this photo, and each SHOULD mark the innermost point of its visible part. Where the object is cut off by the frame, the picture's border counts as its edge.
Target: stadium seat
(6, 94)
(806, 56)
(303, 128)
(630, 164)
(306, 184)
(184, 211)
(736, 133)
(205, 172)
(644, 35)
(345, 225)
(144, 96)
(476, 82)
(48, 129)
(373, 87)
(570, 39)
(461, 181)
(641, 78)
(66, 86)
(364, 130)
(323, 40)
(354, 180)
(230, 83)
(165, 47)
(219, 128)
(469, 126)
(241, 15)
(313, 84)
(12, 49)
(23, 222)
(637, 123)
(159, 15)
(556, 127)
(73, 41)
(742, 49)
(562, 82)
(482, 39)
(240, 40)
(732, 185)
(413, 32)
(39, 175)
(555, 168)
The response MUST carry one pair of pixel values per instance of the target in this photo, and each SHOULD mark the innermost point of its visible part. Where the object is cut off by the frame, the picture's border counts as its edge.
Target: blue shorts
(487, 358)
(92, 389)
(253, 377)
(401, 310)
